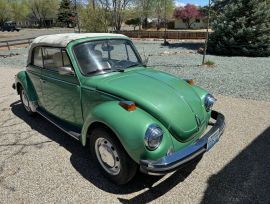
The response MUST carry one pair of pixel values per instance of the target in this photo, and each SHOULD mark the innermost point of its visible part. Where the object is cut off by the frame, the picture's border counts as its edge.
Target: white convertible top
(61, 40)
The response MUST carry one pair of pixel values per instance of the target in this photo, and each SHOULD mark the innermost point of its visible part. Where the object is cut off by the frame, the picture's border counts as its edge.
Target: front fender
(23, 79)
(129, 128)
(201, 92)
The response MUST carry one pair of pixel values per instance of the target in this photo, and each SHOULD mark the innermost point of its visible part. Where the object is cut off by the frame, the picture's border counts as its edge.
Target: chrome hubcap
(25, 100)
(107, 156)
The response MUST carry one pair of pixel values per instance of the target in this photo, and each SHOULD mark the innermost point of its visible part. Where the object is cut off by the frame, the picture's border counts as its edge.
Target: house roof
(62, 40)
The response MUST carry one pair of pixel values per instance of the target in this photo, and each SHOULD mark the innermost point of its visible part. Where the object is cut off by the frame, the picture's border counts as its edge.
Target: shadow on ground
(187, 45)
(246, 179)
(81, 161)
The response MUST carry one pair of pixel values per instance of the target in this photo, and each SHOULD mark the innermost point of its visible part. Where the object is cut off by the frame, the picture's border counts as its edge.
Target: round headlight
(153, 137)
(209, 101)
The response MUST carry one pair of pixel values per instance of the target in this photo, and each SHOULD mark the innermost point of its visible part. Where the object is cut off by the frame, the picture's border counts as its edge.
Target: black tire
(128, 167)
(25, 102)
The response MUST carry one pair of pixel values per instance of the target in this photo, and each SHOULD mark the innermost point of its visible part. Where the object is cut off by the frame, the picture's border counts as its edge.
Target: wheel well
(95, 125)
(18, 86)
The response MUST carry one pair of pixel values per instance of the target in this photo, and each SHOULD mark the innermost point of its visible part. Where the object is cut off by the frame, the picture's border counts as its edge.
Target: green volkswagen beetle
(96, 88)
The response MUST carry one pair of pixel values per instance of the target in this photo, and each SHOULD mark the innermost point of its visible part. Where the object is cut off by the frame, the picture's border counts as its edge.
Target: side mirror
(65, 71)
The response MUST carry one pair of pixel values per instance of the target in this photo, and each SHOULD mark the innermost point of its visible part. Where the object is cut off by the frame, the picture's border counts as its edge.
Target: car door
(34, 73)
(62, 93)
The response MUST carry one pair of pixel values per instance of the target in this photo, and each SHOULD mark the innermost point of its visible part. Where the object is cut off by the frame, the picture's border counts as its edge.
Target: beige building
(197, 24)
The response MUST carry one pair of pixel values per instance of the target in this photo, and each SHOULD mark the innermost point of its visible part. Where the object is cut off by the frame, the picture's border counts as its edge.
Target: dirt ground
(41, 164)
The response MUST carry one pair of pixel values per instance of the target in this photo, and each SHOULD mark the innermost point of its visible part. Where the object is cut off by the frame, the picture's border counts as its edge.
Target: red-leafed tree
(189, 13)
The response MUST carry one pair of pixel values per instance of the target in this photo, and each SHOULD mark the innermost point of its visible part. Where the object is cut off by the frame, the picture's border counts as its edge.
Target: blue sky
(196, 2)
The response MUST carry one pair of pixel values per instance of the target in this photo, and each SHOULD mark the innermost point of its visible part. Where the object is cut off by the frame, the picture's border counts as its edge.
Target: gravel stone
(242, 77)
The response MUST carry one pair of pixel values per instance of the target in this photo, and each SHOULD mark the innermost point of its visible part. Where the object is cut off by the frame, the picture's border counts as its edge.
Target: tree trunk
(145, 22)
(94, 4)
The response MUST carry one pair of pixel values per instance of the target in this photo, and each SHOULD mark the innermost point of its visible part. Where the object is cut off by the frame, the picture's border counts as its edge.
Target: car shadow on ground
(246, 179)
(81, 161)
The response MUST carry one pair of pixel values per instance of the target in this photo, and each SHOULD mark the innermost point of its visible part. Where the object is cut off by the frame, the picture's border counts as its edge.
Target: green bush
(242, 29)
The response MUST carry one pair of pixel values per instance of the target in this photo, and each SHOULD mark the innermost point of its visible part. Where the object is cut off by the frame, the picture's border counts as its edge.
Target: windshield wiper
(99, 70)
(133, 65)
(118, 70)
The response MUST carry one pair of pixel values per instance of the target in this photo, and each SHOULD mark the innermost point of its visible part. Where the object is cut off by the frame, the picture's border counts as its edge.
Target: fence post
(8, 46)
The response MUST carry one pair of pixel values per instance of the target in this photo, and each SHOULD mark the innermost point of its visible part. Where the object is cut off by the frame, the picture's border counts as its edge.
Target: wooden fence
(132, 34)
(9, 43)
(170, 34)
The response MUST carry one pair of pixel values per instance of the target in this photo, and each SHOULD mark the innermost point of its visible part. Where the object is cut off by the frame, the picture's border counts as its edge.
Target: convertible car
(97, 89)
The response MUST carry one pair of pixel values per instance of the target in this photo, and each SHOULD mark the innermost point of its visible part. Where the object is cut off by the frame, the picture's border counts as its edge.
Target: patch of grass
(209, 63)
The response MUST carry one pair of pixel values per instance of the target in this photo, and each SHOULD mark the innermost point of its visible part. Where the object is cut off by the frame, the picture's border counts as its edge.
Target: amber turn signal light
(190, 81)
(128, 105)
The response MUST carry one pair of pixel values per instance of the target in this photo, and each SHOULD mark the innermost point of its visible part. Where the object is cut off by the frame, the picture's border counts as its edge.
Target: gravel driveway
(240, 77)
(41, 164)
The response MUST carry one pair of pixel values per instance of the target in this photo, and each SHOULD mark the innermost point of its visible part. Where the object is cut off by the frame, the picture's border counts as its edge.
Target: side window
(52, 58)
(66, 61)
(37, 57)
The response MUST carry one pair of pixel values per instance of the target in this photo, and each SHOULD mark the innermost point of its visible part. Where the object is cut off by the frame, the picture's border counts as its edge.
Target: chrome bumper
(178, 159)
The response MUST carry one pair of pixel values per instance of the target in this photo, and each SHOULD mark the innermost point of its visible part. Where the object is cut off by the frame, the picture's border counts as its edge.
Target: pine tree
(242, 28)
(65, 13)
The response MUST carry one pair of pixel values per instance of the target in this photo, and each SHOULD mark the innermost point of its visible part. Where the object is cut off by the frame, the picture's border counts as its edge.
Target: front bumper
(178, 159)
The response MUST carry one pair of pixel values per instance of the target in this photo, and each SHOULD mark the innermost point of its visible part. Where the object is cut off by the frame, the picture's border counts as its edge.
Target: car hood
(169, 99)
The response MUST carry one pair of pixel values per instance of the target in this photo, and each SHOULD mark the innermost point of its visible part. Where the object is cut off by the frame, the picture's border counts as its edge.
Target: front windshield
(106, 56)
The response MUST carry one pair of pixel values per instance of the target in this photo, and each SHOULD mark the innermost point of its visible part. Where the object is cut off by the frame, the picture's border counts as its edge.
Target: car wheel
(111, 157)
(25, 101)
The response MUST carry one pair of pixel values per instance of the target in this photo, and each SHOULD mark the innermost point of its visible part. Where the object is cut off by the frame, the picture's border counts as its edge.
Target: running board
(70, 130)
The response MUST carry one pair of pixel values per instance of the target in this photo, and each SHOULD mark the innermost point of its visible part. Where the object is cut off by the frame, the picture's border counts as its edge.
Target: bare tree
(94, 19)
(42, 9)
(5, 13)
(146, 9)
(117, 9)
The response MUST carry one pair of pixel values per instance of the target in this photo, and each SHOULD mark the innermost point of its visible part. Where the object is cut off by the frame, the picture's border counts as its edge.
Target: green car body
(81, 103)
